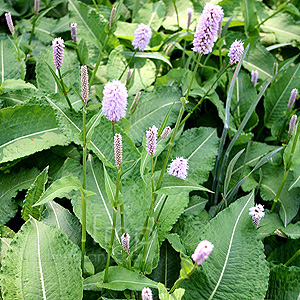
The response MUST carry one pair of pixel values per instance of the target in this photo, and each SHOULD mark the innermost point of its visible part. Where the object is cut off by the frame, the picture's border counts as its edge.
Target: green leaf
(295, 162)
(164, 294)
(59, 188)
(17, 97)
(268, 224)
(235, 249)
(296, 178)
(200, 147)
(283, 282)
(250, 15)
(56, 215)
(48, 265)
(151, 110)
(196, 205)
(292, 230)
(277, 96)
(17, 84)
(6, 236)
(172, 185)
(28, 129)
(289, 200)
(119, 279)
(33, 195)
(10, 184)
(116, 64)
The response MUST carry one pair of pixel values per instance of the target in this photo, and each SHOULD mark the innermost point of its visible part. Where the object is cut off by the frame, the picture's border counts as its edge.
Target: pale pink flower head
(236, 51)
(142, 36)
(73, 30)
(166, 132)
(207, 28)
(178, 167)
(202, 252)
(118, 150)
(257, 213)
(84, 83)
(147, 294)
(114, 101)
(125, 239)
(151, 139)
(254, 77)
(10, 23)
(292, 124)
(189, 17)
(294, 94)
(58, 52)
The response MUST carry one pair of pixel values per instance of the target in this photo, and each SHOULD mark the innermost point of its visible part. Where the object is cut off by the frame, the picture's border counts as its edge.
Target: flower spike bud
(257, 213)
(114, 101)
(294, 94)
(10, 23)
(292, 124)
(166, 132)
(112, 16)
(142, 36)
(202, 252)
(178, 167)
(151, 136)
(280, 233)
(254, 77)
(84, 84)
(73, 29)
(125, 239)
(135, 102)
(36, 7)
(170, 49)
(58, 52)
(147, 294)
(118, 150)
(129, 73)
(189, 17)
(207, 28)
(236, 51)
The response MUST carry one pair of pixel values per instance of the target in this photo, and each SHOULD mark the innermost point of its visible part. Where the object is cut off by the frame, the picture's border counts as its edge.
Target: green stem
(32, 31)
(96, 6)
(183, 53)
(128, 64)
(149, 216)
(98, 60)
(193, 77)
(288, 165)
(293, 258)
(176, 10)
(287, 117)
(178, 281)
(19, 56)
(112, 237)
(64, 91)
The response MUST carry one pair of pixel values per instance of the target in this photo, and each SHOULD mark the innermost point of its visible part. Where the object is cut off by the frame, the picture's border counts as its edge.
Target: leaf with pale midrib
(237, 259)
(47, 264)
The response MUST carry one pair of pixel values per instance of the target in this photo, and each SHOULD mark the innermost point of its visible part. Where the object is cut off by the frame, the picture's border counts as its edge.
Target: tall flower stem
(128, 64)
(98, 60)
(149, 216)
(176, 11)
(83, 199)
(32, 30)
(287, 168)
(19, 56)
(63, 88)
(178, 281)
(112, 237)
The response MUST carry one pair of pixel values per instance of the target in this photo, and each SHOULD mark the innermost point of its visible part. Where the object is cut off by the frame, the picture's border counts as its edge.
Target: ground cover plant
(149, 150)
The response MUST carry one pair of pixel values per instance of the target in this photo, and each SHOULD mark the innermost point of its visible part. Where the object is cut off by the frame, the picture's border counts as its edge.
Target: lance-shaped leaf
(27, 129)
(47, 264)
(237, 248)
(33, 195)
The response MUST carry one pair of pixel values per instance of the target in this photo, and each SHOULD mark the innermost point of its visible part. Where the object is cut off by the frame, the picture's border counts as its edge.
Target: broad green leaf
(119, 279)
(260, 59)
(17, 97)
(200, 147)
(6, 236)
(33, 195)
(268, 224)
(172, 185)
(151, 14)
(289, 200)
(164, 294)
(116, 64)
(296, 178)
(48, 265)
(59, 188)
(10, 184)
(9, 67)
(151, 110)
(284, 282)
(277, 96)
(16, 84)
(250, 15)
(235, 249)
(292, 230)
(28, 129)
(196, 205)
(295, 162)
(56, 215)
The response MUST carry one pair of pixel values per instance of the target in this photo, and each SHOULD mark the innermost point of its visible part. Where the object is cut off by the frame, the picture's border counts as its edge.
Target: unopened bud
(165, 132)
(84, 84)
(135, 102)
(112, 16)
(151, 140)
(118, 149)
(36, 7)
(10, 23)
(189, 17)
(254, 77)
(294, 94)
(73, 29)
(129, 73)
(280, 233)
(125, 239)
(169, 49)
(275, 68)
(292, 124)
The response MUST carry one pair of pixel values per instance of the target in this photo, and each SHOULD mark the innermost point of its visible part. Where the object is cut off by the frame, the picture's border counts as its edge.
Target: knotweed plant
(171, 173)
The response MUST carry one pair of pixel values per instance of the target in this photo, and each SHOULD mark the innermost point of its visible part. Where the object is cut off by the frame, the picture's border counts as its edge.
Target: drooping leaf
(292, 230)
(236, 248)
(16, 84)
(33, 195)
(200, 147)
(119, 279)
(268, 224)
(48, 265)
(27, 129)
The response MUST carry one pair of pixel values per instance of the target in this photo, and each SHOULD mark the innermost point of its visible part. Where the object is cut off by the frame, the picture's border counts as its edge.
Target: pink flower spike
(178, 167)
(257, 213)
(294, 94)
(236, 51)
(10, 23)
(151, 136)
(147, 294)
(58, 52)
(73, 29)
(202, 252)
(142, 36)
